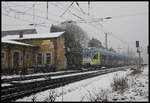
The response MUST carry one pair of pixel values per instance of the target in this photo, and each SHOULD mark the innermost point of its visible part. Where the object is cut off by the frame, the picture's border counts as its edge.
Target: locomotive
(97, 57)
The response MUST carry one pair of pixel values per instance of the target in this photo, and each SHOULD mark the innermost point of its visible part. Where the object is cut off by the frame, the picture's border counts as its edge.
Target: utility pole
(128, 49)
(47, 9)
(106, 40)
(119, 50)
(34, 15)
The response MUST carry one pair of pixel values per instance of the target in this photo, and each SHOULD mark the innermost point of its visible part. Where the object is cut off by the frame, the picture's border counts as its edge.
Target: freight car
(97, 57)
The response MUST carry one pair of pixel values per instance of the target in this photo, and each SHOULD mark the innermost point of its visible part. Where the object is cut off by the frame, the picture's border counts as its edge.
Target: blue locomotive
(97, 57)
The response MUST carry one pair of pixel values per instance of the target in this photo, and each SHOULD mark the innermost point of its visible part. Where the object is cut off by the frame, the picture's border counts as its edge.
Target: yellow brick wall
(60, 52)
(20, 50)
(44, 47)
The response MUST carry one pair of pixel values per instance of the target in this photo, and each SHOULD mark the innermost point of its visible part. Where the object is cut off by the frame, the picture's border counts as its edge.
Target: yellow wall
(48, 46)
(20, 50)
(44, 47)
(60, 52)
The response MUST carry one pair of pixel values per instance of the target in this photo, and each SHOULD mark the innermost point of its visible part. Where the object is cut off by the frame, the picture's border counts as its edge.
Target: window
(39, 58)
(48, 58)
(95, 56)
(27, 56)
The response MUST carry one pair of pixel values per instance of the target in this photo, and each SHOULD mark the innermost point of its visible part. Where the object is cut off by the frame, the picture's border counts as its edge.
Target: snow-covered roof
(17, 28)
(4, 40)
(34, 36)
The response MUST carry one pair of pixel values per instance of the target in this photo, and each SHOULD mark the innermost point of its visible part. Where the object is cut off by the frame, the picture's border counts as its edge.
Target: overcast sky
(129, 20)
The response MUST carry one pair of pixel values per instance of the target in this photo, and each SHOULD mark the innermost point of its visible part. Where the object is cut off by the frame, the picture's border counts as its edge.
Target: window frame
(26, 56)
(41, 58)
(46, 58)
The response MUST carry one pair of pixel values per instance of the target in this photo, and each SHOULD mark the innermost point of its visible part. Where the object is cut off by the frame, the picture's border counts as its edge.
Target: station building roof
(10, 39)
(34, 36)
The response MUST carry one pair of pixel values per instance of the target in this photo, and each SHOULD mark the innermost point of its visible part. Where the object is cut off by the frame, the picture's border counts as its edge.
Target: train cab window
(95, 56)
(87, 55)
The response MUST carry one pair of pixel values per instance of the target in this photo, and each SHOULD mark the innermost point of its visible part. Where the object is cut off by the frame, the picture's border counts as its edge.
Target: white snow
(34, 36)
(5, 40)
(10, 38)
(42, 74)
(74, 74)
(27, 81)
(79, 91)
(5, 84)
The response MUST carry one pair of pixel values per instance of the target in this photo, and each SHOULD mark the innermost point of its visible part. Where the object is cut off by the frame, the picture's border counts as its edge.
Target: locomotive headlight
(89, 48)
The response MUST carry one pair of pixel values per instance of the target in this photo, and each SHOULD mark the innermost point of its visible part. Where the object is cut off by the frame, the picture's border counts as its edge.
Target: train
(79, 55)
(98, 58)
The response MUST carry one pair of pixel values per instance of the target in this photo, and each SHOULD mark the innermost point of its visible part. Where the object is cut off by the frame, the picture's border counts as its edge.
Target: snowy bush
(34, 99)
(136, 71)
(119, 83)
(97, 96)
(52, 96)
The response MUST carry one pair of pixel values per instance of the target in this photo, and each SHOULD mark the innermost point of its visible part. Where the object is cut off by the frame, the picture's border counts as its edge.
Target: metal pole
(34, 15)
(128, 49)
(106, 40)
(47, 9)
(139, 59)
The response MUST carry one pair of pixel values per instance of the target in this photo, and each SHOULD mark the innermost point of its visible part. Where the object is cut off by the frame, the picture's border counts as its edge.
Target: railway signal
(137, 43)
(138, 51)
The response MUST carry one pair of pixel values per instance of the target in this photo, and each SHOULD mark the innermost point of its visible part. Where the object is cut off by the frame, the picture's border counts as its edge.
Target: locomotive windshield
(87, 54)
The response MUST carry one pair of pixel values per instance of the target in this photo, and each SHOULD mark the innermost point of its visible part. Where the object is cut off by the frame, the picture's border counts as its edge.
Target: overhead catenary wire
(70, 11)
(83, 20)
(72, 14)
(27, 21)
(80, 8)
(14, 10)
(92, 25)
(67, 9)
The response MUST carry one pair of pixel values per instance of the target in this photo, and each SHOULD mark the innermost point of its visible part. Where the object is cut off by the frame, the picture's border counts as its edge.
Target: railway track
(24, 89)
(26, 77)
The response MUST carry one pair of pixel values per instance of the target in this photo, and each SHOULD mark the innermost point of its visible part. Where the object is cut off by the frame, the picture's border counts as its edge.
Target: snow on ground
(139, 89)
(74, 74)
(5, 84)
(80, 90)
(27, 81)
(37, 74)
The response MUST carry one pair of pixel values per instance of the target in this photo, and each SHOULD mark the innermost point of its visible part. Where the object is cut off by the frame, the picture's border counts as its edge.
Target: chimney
(21, 34)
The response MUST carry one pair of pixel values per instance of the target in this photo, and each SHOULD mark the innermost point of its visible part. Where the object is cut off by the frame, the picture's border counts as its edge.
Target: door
(16, 60)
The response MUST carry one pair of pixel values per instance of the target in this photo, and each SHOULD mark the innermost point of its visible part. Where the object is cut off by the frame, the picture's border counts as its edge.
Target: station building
(23, 50)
